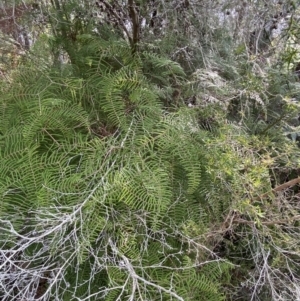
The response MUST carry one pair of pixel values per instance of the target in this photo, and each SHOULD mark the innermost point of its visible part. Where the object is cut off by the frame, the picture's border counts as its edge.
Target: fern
(115, 216)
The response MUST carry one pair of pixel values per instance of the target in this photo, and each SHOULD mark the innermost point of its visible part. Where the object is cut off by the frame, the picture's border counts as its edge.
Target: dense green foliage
(133, 168)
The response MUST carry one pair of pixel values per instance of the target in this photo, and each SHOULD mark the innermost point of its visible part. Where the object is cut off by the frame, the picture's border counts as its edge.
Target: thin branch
(281, 187)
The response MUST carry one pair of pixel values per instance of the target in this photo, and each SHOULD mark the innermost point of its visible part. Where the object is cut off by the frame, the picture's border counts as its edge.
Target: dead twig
(281, 187)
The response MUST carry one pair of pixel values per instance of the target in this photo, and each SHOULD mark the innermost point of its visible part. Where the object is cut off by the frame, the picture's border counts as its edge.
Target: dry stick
(277, 222)
(282, 187)
(267, 223)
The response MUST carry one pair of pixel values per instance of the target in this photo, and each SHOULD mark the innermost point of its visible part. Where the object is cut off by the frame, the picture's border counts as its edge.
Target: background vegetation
(149, 150)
